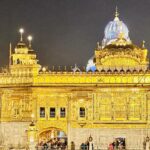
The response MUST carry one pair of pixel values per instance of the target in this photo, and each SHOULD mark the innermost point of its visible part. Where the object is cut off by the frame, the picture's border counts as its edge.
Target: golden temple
(108, 99)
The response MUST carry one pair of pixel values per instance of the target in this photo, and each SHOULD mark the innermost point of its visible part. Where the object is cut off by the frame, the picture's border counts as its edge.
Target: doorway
(53, 138)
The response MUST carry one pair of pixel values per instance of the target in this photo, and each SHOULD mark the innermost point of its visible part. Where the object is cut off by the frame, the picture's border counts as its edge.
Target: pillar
(32, 136)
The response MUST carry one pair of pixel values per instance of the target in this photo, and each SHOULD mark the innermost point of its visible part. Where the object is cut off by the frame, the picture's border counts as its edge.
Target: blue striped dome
(113, 29)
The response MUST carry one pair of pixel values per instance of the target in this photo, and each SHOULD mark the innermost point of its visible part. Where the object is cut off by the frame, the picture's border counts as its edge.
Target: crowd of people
(86, 146)
(118, 144)
(55, 143)
(61, 144)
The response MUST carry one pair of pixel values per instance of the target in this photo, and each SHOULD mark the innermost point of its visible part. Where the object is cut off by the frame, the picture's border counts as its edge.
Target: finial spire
(116, 14)
(10, 50)
(59, 68)
(65, 68)
(98, 45)
(32, 117)
(143, 44)
(53, 68)
(21, 30)
(30, 40)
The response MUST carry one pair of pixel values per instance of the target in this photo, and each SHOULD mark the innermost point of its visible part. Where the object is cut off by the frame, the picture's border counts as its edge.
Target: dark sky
(66, 31)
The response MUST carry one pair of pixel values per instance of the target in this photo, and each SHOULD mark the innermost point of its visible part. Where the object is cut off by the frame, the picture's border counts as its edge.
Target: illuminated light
(52, 134)
(43, 69)
(134, 89)
(30, 40)
(106, 90)
(31, 139)
(21, 30)
(32, 116)
(143, 44)
(81, 100)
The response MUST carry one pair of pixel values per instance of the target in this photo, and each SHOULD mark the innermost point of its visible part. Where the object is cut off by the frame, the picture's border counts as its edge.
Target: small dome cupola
(91, 65)
(113, 29)
(23, 61)
(21, 47)
(30, 44)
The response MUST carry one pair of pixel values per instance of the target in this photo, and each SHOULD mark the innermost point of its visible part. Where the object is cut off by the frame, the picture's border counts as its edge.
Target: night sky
(65, 32)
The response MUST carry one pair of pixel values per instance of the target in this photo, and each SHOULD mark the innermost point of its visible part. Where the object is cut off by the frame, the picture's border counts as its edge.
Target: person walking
(111, 147)
(72, 145)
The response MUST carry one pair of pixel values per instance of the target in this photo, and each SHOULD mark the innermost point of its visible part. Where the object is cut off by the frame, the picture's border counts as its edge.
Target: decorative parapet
(9, 80)
(92, 78)
(77, 78)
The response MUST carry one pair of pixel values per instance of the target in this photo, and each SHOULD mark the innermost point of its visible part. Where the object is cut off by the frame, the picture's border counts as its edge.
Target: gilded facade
(110, 98)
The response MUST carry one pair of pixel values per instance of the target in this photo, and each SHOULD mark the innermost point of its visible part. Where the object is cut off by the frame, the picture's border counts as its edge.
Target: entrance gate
(53, 138)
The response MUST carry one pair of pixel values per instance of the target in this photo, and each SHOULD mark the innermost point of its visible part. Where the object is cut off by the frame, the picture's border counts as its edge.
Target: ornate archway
(51, 133)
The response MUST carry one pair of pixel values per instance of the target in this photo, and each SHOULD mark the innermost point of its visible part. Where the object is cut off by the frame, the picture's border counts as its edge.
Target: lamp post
(21, 30)
(30, 40)
(32, 134)
(91, 146)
